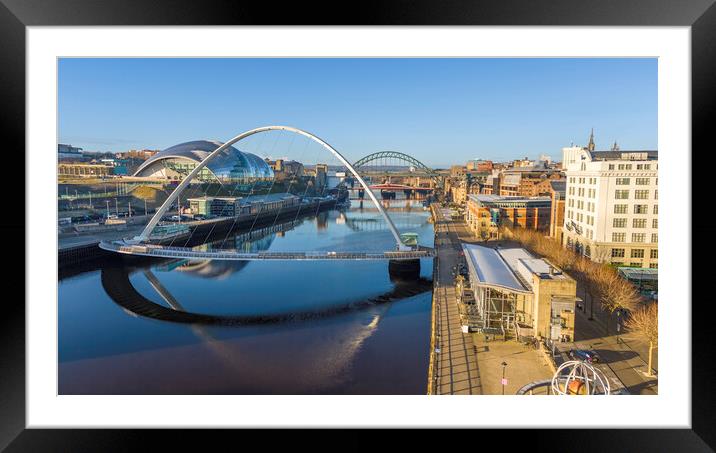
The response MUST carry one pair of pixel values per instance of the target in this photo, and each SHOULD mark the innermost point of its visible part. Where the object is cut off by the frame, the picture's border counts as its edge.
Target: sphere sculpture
(576, 377)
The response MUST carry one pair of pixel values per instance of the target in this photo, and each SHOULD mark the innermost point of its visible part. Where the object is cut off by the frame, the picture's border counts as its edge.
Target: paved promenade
(454, 367)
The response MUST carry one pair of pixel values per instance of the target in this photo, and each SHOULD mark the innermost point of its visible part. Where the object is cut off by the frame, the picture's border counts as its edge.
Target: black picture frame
(700, 15)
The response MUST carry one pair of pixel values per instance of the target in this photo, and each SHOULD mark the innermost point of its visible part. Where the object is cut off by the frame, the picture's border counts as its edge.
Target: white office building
(611, 205)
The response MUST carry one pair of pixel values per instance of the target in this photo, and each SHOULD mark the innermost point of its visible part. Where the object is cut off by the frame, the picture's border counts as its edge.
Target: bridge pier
(404, 270)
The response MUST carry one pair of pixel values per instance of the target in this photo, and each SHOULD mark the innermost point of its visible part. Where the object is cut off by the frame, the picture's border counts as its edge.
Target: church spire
(615, 147)
(590, 146)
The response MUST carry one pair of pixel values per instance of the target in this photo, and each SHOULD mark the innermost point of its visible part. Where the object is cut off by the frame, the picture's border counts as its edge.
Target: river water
(260, 327)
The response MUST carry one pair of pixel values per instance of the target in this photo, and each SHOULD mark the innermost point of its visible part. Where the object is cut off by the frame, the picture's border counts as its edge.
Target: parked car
(584, 355)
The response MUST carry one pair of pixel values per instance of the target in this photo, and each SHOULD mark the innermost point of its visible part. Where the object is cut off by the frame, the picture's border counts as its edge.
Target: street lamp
(504, 381)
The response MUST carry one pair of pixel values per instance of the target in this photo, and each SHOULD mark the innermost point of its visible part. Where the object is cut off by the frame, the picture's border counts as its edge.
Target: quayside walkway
(183, 252)
(453, 363)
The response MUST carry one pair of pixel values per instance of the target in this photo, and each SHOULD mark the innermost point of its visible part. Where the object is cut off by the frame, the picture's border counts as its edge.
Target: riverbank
(75, 249)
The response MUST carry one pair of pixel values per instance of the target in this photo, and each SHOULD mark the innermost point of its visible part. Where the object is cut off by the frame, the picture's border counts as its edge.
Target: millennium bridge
(140, 245)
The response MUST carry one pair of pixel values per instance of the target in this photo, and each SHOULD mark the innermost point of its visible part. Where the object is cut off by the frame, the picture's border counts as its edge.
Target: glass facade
(230, 166)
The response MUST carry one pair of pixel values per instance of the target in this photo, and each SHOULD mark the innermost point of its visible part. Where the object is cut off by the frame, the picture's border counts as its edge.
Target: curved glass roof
(230, 165)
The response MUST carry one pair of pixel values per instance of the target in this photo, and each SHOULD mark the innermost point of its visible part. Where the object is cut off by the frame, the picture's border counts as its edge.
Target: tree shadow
(611, 356)
(643, 388)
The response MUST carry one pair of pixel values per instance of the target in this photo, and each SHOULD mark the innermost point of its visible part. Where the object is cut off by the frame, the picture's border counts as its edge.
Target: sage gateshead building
(231, 166)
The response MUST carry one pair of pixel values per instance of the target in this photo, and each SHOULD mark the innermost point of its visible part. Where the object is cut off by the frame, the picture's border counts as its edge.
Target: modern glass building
(231, 166)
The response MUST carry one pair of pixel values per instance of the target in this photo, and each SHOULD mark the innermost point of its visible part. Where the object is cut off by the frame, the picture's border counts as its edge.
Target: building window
(638, 237)
(611, 166)
(641, 209)
(654, 237)
(637, 253)
(639, 223)
(656, 209)
(642, 181)
(617, 253)
(619, 223)
(618, 237)
(654, 254)
(621, 194)
(620, 209)
(634, 264)
(654, 265)
(622, 181)
(641, 194)
(655, 223)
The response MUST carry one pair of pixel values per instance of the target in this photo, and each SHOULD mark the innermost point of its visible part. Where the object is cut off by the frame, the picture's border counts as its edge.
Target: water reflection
(119, 287)
(236, 327)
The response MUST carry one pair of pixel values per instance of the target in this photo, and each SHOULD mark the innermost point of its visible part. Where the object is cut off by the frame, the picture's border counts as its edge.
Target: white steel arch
(185, 182)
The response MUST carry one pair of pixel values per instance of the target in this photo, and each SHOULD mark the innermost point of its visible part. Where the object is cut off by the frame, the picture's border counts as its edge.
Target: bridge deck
(184, 252)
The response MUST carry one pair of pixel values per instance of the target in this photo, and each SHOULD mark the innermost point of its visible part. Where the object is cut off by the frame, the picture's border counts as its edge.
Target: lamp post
(504, 381)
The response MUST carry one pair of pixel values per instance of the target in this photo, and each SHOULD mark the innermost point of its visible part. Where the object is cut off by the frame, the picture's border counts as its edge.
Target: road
(624, 362)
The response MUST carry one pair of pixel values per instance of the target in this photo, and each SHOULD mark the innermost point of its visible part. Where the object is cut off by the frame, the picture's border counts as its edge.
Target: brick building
(485, 214)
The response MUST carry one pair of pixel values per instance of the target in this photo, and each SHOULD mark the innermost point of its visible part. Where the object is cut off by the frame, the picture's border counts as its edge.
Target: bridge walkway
(183, 252)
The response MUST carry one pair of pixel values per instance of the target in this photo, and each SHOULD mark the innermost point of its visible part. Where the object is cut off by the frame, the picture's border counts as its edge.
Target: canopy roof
(490, 267)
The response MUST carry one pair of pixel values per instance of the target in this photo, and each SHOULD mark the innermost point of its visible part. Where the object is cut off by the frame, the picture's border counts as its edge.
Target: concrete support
(403, 270)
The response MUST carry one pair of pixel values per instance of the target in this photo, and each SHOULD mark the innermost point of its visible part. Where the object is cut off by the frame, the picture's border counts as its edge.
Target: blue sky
(441, 111)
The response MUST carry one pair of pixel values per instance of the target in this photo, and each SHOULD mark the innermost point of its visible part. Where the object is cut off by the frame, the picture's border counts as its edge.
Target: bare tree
(600, 280)
(645, 321)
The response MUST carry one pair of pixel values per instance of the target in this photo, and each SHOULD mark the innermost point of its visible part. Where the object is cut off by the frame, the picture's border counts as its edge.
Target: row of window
(581, 191)
(651, 265)
(572, 180)
(621, 194)
(636, 223)
(635, 253)
(639, 181)
(629, 166)
(635, 237)
(638, 209)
